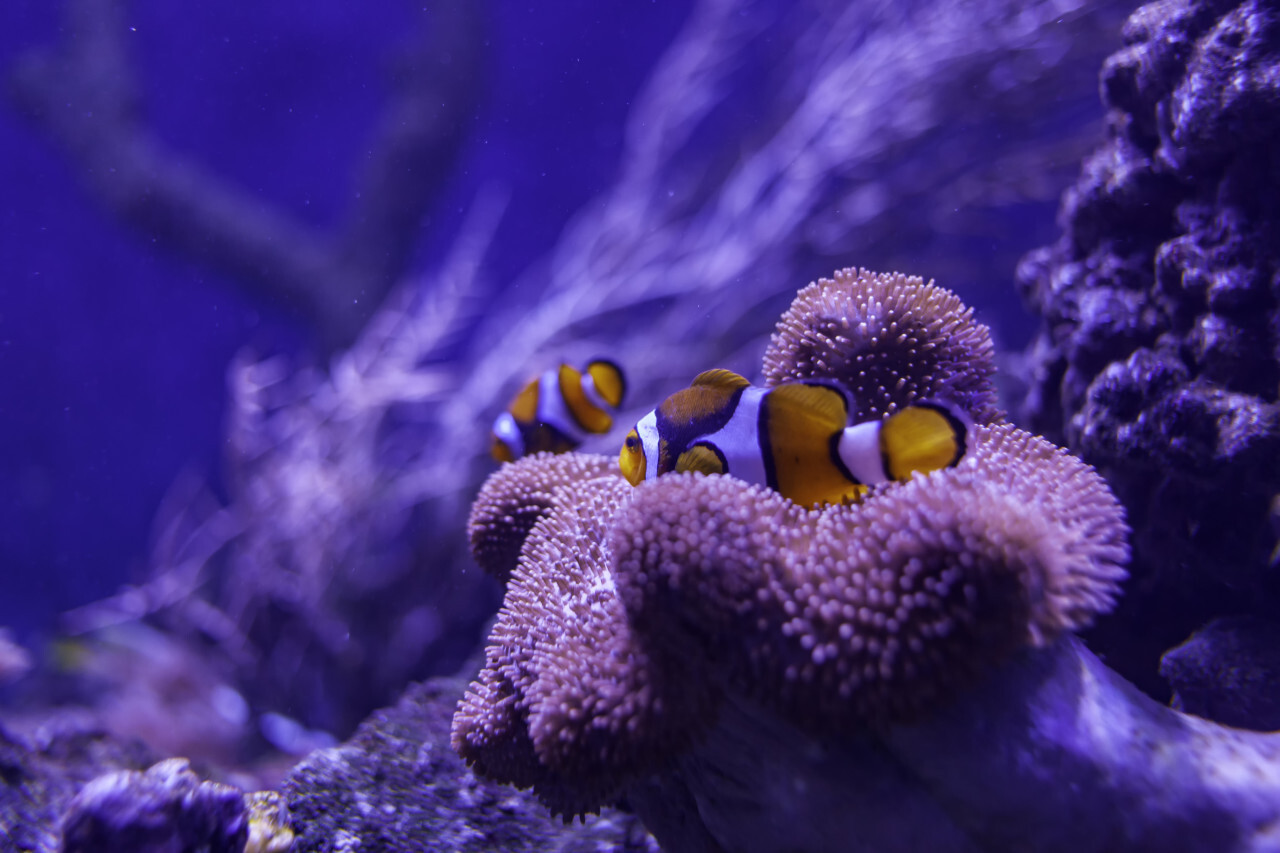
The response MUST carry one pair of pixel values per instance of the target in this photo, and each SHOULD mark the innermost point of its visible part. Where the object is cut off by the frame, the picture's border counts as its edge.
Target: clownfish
(557, 411)
(793, 438)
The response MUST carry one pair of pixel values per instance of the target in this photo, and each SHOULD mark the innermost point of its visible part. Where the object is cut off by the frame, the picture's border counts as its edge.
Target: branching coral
(638, 620)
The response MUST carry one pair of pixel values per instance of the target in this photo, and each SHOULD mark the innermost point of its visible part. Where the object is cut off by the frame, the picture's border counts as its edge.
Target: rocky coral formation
(397, 786)
(41, 772)
(1229, 672)
(166, 808)
(1159, 357)
(733, 665)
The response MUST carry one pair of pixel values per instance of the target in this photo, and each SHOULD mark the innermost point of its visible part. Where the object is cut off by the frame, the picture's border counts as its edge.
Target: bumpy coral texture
(513, 500)
(871, 612)
(1159, 357)
(633, 612)
(563, 676)
(889, 339)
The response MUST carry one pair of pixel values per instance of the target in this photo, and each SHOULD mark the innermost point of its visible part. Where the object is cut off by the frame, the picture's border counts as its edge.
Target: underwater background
(118, 340)
(118, 345)
(269, 272)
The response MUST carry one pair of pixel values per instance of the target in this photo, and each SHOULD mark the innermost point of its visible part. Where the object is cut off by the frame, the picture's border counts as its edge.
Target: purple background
(113, 352)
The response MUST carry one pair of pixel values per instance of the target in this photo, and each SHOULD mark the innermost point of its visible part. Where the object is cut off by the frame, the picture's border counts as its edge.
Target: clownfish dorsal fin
(822, 404)
(922, 437)
(720, 378)
(703, 459)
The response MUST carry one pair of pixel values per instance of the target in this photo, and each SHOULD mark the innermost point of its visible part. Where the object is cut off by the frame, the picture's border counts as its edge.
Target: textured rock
(1229, 672)
(167, 809)
(1159, 356)
(1054, 753)
(41, 773)
(397, 786)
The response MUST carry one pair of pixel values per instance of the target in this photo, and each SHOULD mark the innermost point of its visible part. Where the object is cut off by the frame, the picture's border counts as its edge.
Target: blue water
(113, 350)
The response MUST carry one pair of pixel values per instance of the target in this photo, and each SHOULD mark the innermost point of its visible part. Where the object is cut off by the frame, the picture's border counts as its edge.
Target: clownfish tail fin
(923, 437)
(609, 381)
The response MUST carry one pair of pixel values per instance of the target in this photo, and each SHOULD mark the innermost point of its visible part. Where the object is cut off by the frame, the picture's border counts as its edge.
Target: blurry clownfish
(793, 438)
(558, 410)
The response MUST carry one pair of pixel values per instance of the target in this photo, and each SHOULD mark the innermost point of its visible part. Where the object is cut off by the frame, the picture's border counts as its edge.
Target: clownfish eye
(631, 459)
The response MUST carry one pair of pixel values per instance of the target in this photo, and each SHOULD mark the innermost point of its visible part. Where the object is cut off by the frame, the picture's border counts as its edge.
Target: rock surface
(1229, 672)
(1159, 356)
(397, 785)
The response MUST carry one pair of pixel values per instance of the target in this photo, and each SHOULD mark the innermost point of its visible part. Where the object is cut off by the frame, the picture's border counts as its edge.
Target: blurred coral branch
(316, 581)
(83, 94)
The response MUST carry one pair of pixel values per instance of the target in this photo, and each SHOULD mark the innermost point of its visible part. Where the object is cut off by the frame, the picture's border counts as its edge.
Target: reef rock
(397, 786)
(1159, 356)
(1229, 672)
(167, 809)
(42, 771)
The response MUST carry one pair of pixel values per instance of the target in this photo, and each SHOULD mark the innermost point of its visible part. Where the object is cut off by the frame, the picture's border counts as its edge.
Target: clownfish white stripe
(859, 450)
(552, 408)
(742, 432)
(506, 430)
(592, 393)
(648, 430)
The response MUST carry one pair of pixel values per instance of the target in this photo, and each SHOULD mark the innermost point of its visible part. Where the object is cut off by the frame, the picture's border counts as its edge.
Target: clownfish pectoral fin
(702, 458)
(820, 405)
(609, 380)
(720, 378)
(922, 437)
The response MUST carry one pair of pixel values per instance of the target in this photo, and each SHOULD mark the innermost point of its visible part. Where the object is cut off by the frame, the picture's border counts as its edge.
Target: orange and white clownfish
(559, 409)
(793, 438)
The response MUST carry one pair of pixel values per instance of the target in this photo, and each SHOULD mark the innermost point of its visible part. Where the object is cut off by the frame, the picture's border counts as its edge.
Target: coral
(1159, 356)
(874, 611)
(270, 825)
(633, 609)
(166, 808)
(43, 770)
(397, 786)
(914, 341)
(514, 499)
(635, 614)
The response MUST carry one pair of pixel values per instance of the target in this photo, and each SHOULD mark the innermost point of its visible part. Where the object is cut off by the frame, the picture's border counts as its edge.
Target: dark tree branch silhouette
(83, 94)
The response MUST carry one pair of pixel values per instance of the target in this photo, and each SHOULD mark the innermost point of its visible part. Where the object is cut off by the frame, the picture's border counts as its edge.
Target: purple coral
(639, 619)
(1159, 357)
